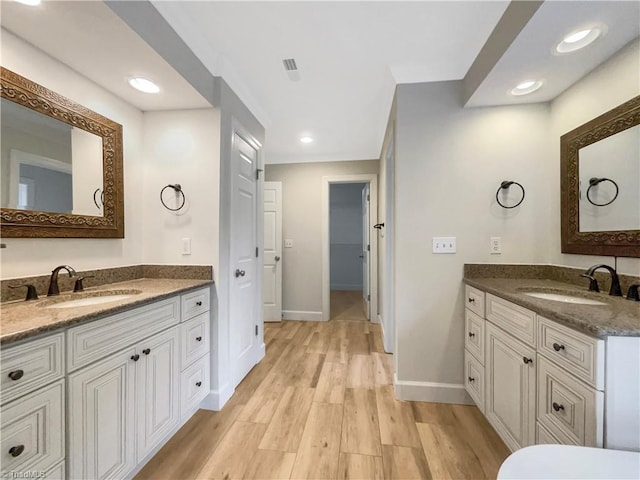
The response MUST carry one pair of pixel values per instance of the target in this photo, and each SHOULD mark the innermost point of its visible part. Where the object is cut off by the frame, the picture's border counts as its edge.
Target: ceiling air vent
(289, 64)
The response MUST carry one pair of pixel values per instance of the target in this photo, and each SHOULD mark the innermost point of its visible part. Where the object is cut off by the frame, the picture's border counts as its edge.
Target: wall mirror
(61, 165)
(600, 184)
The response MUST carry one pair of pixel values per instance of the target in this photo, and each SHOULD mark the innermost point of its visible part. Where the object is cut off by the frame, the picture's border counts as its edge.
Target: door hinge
(369, 297)
(256, 330)
(256, 252)
(258, 170)
(368, 248)
(368, 198)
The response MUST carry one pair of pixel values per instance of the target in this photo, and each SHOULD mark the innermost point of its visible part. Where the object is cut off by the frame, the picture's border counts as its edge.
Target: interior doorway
(349, 247)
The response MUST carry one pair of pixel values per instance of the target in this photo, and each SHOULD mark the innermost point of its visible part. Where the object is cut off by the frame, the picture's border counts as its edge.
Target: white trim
(217, 398)
(302, 315)
(431, 392)
(372, 180)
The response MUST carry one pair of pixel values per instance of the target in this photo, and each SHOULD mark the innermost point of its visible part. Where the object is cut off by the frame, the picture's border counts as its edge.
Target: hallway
(347, 305)
(321, 405)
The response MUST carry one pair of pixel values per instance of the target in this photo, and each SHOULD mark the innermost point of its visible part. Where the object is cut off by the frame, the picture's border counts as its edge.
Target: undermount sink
(560, 297)
(90, 298)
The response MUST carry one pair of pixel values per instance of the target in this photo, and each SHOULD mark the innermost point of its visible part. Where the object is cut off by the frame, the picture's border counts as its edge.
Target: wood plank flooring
(321, 405)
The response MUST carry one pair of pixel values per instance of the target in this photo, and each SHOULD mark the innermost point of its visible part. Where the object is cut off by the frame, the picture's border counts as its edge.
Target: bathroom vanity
(93, 389)
(549, 362)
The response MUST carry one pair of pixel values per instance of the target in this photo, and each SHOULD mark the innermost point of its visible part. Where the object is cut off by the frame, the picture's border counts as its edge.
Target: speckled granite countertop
(20, 320)
(619, 317)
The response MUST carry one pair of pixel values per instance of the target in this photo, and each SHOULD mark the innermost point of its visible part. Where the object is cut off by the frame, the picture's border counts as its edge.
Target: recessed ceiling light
(526, 87)
(31, 3)
(144, 85)
(579, 39)
(306, 139)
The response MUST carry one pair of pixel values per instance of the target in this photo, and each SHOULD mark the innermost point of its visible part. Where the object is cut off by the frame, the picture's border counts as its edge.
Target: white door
(244, 295)
(102, 418)
(366, 252)
(158, 379)
(272, 277)
(511, 388)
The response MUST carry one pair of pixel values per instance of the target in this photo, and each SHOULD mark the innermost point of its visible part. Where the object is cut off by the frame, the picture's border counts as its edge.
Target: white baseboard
(302, 315)
(376, 319)
(346, 286)
(217, 398)
(431, 392)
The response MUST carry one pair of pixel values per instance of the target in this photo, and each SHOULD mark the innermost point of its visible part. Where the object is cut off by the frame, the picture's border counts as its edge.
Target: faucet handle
(79, 287)
(32, 294)
(593, 283)
(633, 294)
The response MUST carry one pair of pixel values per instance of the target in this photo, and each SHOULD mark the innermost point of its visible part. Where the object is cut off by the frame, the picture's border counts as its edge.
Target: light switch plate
(444, 245)
(186, 246)
(288, 243)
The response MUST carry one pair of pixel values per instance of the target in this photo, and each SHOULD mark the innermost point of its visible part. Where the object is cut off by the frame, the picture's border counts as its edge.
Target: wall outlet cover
(495, 245)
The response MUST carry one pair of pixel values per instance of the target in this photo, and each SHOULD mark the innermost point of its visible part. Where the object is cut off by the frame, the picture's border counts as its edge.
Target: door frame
(372, 180)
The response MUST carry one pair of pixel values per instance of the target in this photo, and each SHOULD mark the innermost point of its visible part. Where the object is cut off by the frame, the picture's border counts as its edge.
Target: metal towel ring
(593, 181)
(95, 200)
(505, 185)
(177, 188)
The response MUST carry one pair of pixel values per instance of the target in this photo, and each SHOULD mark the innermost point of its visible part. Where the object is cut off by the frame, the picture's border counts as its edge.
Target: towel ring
(178, 189)
(505, 185)
(95, 200)
(595, 181)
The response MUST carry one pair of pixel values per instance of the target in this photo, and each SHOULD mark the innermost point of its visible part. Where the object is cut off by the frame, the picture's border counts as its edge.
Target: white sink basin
(558, 297)
(83, 302)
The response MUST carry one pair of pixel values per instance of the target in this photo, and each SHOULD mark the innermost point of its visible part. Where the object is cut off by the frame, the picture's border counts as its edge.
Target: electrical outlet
(444, 245)
(186, 246)
(495, 245)
(288, 243)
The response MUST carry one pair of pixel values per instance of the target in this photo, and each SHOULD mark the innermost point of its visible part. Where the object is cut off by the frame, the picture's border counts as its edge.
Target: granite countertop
(20, 320)
(619, 317)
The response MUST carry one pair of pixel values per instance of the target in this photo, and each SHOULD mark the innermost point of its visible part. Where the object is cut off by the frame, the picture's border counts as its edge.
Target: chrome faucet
(593, 283)
(53, 282)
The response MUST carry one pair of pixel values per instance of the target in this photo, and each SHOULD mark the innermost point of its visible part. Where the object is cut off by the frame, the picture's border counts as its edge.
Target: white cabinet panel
(474, 300)
(474, 335)
(195, 303)
(518, 321)
(474, 379)
(195, 339)
(194, 385)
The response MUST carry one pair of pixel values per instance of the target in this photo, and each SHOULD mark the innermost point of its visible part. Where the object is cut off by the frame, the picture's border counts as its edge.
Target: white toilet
(570, 462)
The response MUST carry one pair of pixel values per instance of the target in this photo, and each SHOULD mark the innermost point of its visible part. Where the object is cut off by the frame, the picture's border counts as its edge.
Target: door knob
(239, 273)
(277, 258)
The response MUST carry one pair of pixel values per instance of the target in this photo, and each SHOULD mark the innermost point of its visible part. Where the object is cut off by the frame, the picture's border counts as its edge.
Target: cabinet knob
(16, 374)
(16, 451)
(198, 384)
(199, 339)
(199, 303)
(471, 300)
(471, 379)
(471, 334)
(557, 347)
(527, 360)
(135, 357)
(146, 351)
(557, 407)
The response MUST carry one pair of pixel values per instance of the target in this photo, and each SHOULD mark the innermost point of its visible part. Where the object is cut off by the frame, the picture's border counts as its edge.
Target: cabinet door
(102, 418)
(158, 389)
(510, 388)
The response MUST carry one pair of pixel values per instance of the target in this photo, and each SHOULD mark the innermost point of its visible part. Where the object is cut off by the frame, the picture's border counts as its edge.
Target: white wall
(345, 236)
(449, 163)
(302, 223)
(25, 257)
(611, 84)
(181, 147)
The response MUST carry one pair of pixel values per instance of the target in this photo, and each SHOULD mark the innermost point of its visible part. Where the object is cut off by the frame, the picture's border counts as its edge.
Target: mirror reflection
(48, 165)
(609, 176)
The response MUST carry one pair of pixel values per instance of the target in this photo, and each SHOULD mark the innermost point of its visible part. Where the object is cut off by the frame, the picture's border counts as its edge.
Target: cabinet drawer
(195, 339)
(569, 409)
(33, 430)
(579, 354)
(195, 303)
(544, 436)
(194, 385)
(474, 300)
(474, 335)
(518, 321)
(95, 340)
(474, 379)
(33, 364)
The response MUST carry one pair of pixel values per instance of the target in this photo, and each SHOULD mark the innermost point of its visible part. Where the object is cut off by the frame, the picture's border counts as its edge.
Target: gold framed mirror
(600, 184)
(62, 173)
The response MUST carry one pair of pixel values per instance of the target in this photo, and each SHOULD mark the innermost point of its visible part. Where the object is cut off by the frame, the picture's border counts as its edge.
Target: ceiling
(350, 55)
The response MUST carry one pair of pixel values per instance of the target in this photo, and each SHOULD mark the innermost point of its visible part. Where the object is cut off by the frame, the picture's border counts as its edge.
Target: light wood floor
(321, 405)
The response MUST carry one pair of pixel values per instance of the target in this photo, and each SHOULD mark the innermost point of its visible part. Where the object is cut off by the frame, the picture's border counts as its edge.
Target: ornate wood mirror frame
(621, 243)
(31, 224)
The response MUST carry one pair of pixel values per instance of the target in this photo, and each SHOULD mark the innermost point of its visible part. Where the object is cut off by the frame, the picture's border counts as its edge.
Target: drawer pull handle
(527, 360)
(199, 339)
(199, 303)
(557, 407)
(471, 300)
(471, 379)
(471, 334)
(16, 374)
(146, 351)
(16, 451)
(198, 384)
(135, 357)
(557, 347)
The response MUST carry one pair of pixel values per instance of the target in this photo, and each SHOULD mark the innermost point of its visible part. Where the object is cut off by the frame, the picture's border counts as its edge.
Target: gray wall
(53, 191)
